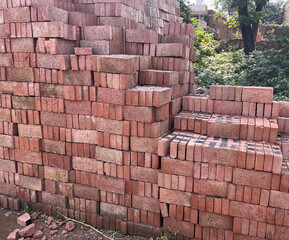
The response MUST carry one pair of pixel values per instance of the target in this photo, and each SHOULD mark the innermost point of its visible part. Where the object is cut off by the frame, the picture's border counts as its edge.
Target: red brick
(118, 64)
(215, 220)
(177, 167)
(30, 131)
(108, 155)
(113, 211)
(211, 187)
(279, 199)
(114, 185)
(257, 94)
(54, 200)
(31, 183)
(145, 203)
(56, 174)
(78, 107)
(17, 14)
(175, 197)
(144, 174)
(86, 192)
(248, 211)
(252, 178)
(228, 108)
(183, 228)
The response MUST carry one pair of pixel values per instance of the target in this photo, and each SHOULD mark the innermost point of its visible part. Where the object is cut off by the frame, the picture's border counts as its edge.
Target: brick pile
(87, 88)
(90, 90)
(224, 170)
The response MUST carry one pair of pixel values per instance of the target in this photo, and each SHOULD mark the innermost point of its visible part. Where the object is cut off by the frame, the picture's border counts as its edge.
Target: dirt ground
(8, 220)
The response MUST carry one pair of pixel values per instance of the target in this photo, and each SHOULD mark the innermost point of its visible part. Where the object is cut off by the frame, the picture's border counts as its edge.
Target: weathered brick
(53, 146)
(118, 64)
(146, 203)
(257, 94)
(147, 145)
(139, 114)
(78, 107)
(110, 184)
(112, 96)
(6, 87)
(7, 166)
(6, 141)
(5, 60)
(144, 174)
(108, 155)
(86, 192)
(51, 90)
(248, 211)
(211, 187)
(31, 183)
(113, 211)
(19, 45)
(29, 157)
(84, 136)
(53, 119)
(109, 126)
(56, 174)
(177, 167)
(82, 78)
(215, 220)
(84, 164)
(279, 199)
(252, 178)
(54, 200)
(8, 189)
(24, 103)
(146, 230)
(5, 114)
(175, 197)
(284, 109)
(30, 131)
(141, 36)
(19, 14)
(184, 228)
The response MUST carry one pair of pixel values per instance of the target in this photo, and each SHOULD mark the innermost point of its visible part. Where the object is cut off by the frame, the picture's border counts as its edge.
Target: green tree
(249, 13)
(185, 11)
(273, 13)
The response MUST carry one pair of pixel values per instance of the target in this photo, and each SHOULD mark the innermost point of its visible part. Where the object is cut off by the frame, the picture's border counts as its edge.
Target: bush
(270, 68)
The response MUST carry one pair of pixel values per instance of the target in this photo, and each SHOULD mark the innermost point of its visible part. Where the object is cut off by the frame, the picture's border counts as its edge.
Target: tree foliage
(248, 14)
(268, 68)
(273, 13)
(185, 11)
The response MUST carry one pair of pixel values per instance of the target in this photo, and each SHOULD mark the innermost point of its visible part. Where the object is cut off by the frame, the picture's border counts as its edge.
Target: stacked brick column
(79, 124)
(224, 172)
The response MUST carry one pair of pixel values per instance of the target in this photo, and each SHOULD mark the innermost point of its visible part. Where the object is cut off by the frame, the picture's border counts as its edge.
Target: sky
(210, 3)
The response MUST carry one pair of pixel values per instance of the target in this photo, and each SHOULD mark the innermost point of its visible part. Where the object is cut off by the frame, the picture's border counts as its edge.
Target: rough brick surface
(90, 92)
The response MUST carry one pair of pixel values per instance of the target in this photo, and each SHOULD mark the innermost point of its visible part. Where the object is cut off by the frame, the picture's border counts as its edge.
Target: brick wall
(90, 92)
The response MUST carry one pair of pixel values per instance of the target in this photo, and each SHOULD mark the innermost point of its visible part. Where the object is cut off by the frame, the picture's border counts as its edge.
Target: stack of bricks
(224, 170)
(79, 126)
(89, 93)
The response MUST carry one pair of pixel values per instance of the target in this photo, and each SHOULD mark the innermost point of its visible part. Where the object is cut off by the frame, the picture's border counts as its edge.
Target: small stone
(34, 215)
(64, 232)
(44, 238)
(7, 214)
(53, 226)
(28, 231)
(70, 226)
(24, 220)
(49, 220)
(66, 235)
(14, 235)
(38, 234)
(53, 232)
